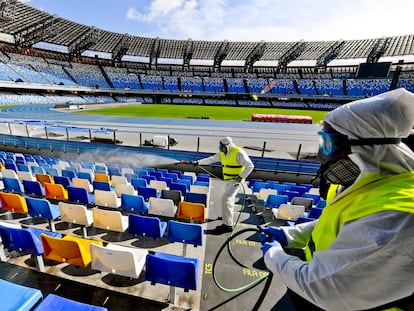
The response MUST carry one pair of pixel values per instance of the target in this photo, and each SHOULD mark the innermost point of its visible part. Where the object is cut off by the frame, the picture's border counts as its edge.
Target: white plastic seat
(288, 211)
(125, 188)
(23, 175)
(82, 183)
(6, 172)
(76, 214)
(162, 207)
(106, 198)
(199, 189)
(118, 259)
(109, 220)
(127, 170)
(118, 180)
(264, 193)
(158, 184)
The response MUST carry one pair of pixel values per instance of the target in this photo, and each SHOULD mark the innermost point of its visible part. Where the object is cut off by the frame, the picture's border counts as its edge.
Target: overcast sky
(241, 20)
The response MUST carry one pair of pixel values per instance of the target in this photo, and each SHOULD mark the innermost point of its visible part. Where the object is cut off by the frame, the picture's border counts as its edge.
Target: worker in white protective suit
(359, 255)
(236, 167)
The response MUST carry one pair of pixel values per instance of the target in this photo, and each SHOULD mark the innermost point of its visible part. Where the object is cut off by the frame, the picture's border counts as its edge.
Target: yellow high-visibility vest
(394, 193)
(231, 168)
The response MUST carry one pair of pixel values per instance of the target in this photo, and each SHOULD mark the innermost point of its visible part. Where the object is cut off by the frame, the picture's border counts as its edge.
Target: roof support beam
(121, 49)
(254, 56)
(26, 37)
(378, 50)
(221, 54)
(84, 42)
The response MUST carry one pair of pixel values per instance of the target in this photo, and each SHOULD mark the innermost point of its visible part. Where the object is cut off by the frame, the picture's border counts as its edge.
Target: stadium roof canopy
(26, 26)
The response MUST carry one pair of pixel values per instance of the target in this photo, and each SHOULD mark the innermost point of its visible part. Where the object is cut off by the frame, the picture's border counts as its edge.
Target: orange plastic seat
(44, 178)
(13, 202)
(69, 249)
(102, 177)
(55, 192)
(191, 211)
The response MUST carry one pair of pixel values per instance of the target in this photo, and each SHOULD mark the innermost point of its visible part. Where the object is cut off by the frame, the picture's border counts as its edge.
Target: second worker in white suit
(236, 167)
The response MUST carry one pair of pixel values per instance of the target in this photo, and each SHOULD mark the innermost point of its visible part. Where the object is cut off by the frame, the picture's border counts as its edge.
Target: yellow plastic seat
(191, 211)
(13, 202)
(55, 192)
(69, 249)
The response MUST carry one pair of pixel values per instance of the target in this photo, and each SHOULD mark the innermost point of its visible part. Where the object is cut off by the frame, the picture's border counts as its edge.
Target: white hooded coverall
(371, 261)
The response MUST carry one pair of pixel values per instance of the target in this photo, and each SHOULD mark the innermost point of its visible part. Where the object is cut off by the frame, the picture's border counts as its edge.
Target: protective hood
(388, 115)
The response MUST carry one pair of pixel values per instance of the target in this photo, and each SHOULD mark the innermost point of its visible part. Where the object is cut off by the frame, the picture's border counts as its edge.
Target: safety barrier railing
(53, 145)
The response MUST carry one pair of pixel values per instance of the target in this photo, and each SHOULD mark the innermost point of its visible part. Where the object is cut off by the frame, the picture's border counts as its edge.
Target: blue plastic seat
(70, 172)
(39, 207)
(288, 184)
(80, 195)
(133, 203)
(185, 182)
(274, 200)
(129, 176)
(51, 171)
(148, 178)
(171, 270)
(101, 185)
(23, 167)
(147, 192)
(138, 182)
(11, 165)
(167, 180)
(13, 185)
(148, 226)
(188, 177)
(259, 185)
(58, 303)
(149, 170)
(25, 240)
(181, 187)
(196, 197)
(290, 194)
(63, 180)
(86, 175)
(37, 170)
(252, 181)
(183, 232)
(173, 176)
(315, 212)
(179, 173)
(202, 183)
(300, 189)
(33, 188)
(204, 177)
(18, 297)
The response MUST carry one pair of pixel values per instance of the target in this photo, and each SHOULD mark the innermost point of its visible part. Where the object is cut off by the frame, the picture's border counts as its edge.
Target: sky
(241, 20)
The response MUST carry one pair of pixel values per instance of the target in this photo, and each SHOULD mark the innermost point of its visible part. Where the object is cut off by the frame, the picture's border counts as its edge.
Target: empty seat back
(171, 270)
(109, 220)
(133, 203)
(191, 211)
(146, 226)
(118, 259)
(69, 249)
(162, 207)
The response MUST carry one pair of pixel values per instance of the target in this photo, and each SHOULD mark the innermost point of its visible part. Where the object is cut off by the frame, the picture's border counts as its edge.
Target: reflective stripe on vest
(231, 168)
(394, 193)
